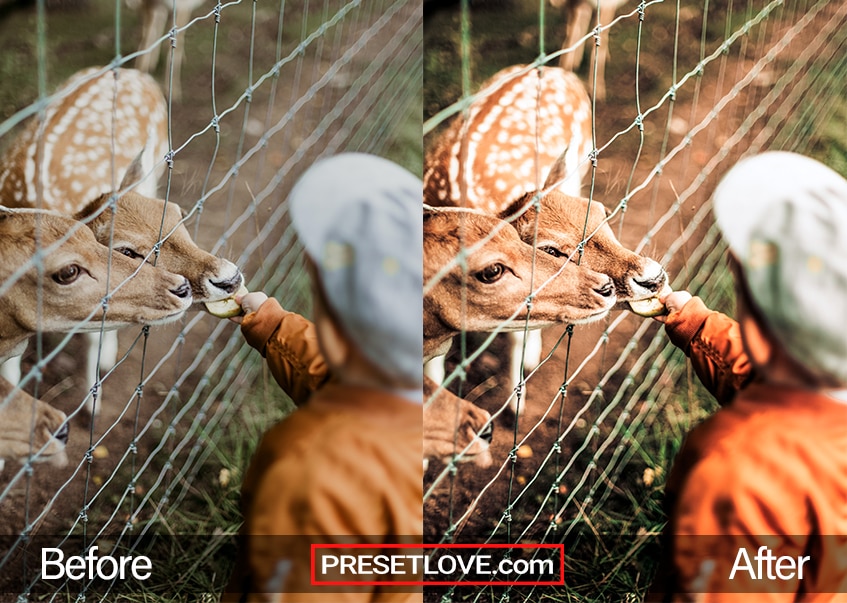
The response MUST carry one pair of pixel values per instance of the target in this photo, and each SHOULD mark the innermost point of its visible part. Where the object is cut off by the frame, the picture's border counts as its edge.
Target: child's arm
(287, 341)
(712, 341)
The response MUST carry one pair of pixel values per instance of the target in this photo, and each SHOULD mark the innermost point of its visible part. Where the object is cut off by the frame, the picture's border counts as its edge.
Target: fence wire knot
(218, 13)
(641, 10)
(169, 159)
(597, 31)
(593, 157)
(172, 36)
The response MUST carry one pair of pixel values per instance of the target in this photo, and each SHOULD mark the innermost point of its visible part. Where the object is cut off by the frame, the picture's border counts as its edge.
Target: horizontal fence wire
(266, 89)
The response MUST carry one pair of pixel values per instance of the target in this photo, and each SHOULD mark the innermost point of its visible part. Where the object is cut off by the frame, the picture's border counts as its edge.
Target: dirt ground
(199, 364)
(502, 33)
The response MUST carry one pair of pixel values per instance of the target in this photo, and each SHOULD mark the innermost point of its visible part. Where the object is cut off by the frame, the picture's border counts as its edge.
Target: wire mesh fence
(689, 88)
(264, 89)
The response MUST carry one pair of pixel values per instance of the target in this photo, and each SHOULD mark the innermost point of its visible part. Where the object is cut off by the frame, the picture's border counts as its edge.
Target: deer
(528, 126)
(492, 294)
(579, 22)
(30, 429)
(455, 428)
(73, 147)
(77, 284)
(154, 14)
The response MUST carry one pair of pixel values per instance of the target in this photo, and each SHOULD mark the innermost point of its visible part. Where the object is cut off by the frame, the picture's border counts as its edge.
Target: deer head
(138, 225)
(454, 426)
(30, 427)
(563, 222)
(498, 281)
(78, 273)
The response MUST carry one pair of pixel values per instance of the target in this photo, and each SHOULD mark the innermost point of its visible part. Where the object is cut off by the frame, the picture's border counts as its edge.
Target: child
(770, 468)
(346, 466)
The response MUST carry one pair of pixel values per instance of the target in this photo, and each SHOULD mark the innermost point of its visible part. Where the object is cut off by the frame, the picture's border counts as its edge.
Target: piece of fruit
(226, 308)
(651, 306)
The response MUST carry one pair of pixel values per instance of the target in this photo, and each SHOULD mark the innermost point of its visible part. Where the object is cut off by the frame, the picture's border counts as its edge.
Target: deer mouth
(165, 319)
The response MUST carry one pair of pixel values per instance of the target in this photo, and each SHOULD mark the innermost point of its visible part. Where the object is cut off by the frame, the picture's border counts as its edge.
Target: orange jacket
(343, 468)
(768, 469)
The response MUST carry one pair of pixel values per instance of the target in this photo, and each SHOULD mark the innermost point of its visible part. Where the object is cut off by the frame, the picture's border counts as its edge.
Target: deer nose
(184, 290)
(487, 433)
(652, 284)
(607, 289)
(62, 434)
(229, 285)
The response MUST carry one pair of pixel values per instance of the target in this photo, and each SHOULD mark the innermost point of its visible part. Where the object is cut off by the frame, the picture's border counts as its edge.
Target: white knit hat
(784, 217)
(360, 219)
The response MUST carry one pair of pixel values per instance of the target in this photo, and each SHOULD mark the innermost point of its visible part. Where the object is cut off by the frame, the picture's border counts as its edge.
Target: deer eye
(67, 274)
(555, 252)
(130, 253)
(491, 274)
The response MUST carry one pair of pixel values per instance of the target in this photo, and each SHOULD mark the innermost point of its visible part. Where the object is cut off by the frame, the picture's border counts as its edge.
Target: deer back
(89, 135)
(520, 123)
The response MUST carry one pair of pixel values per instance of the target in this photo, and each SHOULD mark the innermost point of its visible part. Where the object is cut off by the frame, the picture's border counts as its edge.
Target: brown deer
(523, 128)
(30, 429)
(579, 23)
(154, 14)
(492, 293)
(68, 294)
(65, 290)
(77, 150)
(521, 122)
(455, 428)
(96, 125)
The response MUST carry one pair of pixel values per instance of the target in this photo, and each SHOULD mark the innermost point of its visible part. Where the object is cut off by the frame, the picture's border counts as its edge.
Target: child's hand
(673, 302)
(249, 303)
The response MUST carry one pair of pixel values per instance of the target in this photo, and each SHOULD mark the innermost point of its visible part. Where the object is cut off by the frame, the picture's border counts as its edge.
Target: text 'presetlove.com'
(438, 565)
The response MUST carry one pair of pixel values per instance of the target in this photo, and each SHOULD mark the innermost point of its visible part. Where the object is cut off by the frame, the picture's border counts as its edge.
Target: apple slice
(651, 306)
(226, 308)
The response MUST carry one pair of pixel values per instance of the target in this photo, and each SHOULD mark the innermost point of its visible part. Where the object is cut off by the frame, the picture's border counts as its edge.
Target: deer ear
(134, 172)
(429, 212)
(558, 172)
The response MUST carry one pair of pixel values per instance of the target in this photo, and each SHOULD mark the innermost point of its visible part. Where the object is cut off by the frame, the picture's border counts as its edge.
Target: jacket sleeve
(713, 343)
(289, 343)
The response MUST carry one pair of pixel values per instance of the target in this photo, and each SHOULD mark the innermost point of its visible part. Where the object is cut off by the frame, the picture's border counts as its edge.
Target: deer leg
(526, 346)
(182, 16)
(11, 370)
(107, 346)
(578, 23)
(601, 53)
(153, 24)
